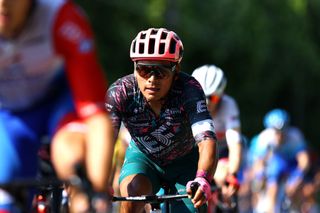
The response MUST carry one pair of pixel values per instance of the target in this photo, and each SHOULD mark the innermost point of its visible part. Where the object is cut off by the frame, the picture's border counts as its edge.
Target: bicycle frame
(150, 198)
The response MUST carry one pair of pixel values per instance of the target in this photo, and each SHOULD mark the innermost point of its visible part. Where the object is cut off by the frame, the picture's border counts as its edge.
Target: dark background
(269, 49)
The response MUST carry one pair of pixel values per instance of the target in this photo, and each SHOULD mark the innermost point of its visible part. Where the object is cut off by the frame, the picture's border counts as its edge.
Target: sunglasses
(213, 99)
(160, 71)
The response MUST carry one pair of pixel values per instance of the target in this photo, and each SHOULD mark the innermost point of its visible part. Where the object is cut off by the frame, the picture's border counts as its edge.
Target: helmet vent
(134, 46)
(141, 48)
(151, 46)
(153, 32)
(163, 35)
(172, 47)
(162, 48)
(143, 36)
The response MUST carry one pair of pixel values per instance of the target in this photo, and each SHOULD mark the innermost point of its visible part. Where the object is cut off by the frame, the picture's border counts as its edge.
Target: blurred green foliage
(269, 49)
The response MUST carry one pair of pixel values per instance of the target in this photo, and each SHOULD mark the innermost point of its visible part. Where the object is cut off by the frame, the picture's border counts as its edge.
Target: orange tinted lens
(214, 99)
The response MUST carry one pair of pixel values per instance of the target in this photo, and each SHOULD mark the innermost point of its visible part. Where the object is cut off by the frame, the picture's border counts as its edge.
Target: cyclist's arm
(233, 134)
(235, 150)
(73, 40)
(298, 146)
(207, 156)
(301, 150)
(303, 160)
(296, 176)
(202, 127)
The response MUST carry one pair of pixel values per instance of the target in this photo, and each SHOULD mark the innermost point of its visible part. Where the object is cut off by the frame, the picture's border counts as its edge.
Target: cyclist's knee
(66, 151)
(135, 185)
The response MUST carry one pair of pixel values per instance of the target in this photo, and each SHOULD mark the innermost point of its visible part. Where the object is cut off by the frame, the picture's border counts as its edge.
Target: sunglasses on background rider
(213, 99)
(160, 71)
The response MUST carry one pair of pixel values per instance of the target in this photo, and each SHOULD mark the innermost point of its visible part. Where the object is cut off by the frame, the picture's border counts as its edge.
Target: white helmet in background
(211, 78)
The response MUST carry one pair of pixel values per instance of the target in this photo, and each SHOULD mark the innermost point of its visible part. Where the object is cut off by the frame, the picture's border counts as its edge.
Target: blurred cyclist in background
(279, 158)
(50, 84)
(225, 113)
(165, 112)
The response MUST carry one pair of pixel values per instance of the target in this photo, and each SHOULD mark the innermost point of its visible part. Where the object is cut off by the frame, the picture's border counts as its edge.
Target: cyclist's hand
(203, 192)
(231, 186)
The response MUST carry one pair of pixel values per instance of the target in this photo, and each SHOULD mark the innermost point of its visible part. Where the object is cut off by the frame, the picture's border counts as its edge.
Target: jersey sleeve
(74, 40)
(199, 117)
(113, 105)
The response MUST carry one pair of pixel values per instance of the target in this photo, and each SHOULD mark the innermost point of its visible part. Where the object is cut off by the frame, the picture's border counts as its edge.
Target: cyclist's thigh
(137, 163)
(19, 145)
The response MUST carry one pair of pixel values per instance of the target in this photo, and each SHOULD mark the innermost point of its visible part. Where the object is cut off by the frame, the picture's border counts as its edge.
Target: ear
(178, 67)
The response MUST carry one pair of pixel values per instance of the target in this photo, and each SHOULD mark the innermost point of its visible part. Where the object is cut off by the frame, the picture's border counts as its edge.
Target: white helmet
(211, 78)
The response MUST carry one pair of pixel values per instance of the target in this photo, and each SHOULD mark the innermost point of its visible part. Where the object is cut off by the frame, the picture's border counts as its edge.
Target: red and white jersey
(56, 38)
(227, 118)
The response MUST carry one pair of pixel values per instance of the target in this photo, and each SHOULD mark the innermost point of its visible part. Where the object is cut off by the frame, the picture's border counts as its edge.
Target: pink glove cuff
(204, 174)
(204, 186)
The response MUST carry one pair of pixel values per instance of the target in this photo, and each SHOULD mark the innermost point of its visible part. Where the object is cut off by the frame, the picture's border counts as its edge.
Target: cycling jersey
(49, 76)
(183, 121)
(226, 118)
(282, 158)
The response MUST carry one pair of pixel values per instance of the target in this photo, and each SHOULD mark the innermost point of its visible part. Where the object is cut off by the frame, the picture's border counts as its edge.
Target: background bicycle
(24, 190)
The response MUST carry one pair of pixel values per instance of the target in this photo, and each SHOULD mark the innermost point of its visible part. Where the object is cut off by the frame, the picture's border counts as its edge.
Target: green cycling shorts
(176, 174)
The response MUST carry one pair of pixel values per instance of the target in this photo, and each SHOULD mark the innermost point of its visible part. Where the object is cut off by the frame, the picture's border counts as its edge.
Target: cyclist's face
(154, 78)
(13, 14)
(212, 103)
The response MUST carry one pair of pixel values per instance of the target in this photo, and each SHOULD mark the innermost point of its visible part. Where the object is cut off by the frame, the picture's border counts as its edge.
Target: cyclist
(225, 113)
(278, 152)
(51, 84)
(164, 110)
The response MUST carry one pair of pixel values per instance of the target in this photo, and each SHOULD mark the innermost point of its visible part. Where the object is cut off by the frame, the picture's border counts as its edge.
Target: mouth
(152, 89)
(4, 17)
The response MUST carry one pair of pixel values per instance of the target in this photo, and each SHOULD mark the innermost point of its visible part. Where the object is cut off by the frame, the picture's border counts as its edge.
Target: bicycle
(48, 191)
(49, 198)
(159, 202)
(156, 200)
(81, 181)
(19, 188)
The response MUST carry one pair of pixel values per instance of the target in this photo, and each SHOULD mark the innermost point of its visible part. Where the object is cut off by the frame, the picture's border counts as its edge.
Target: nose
(152, 77)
